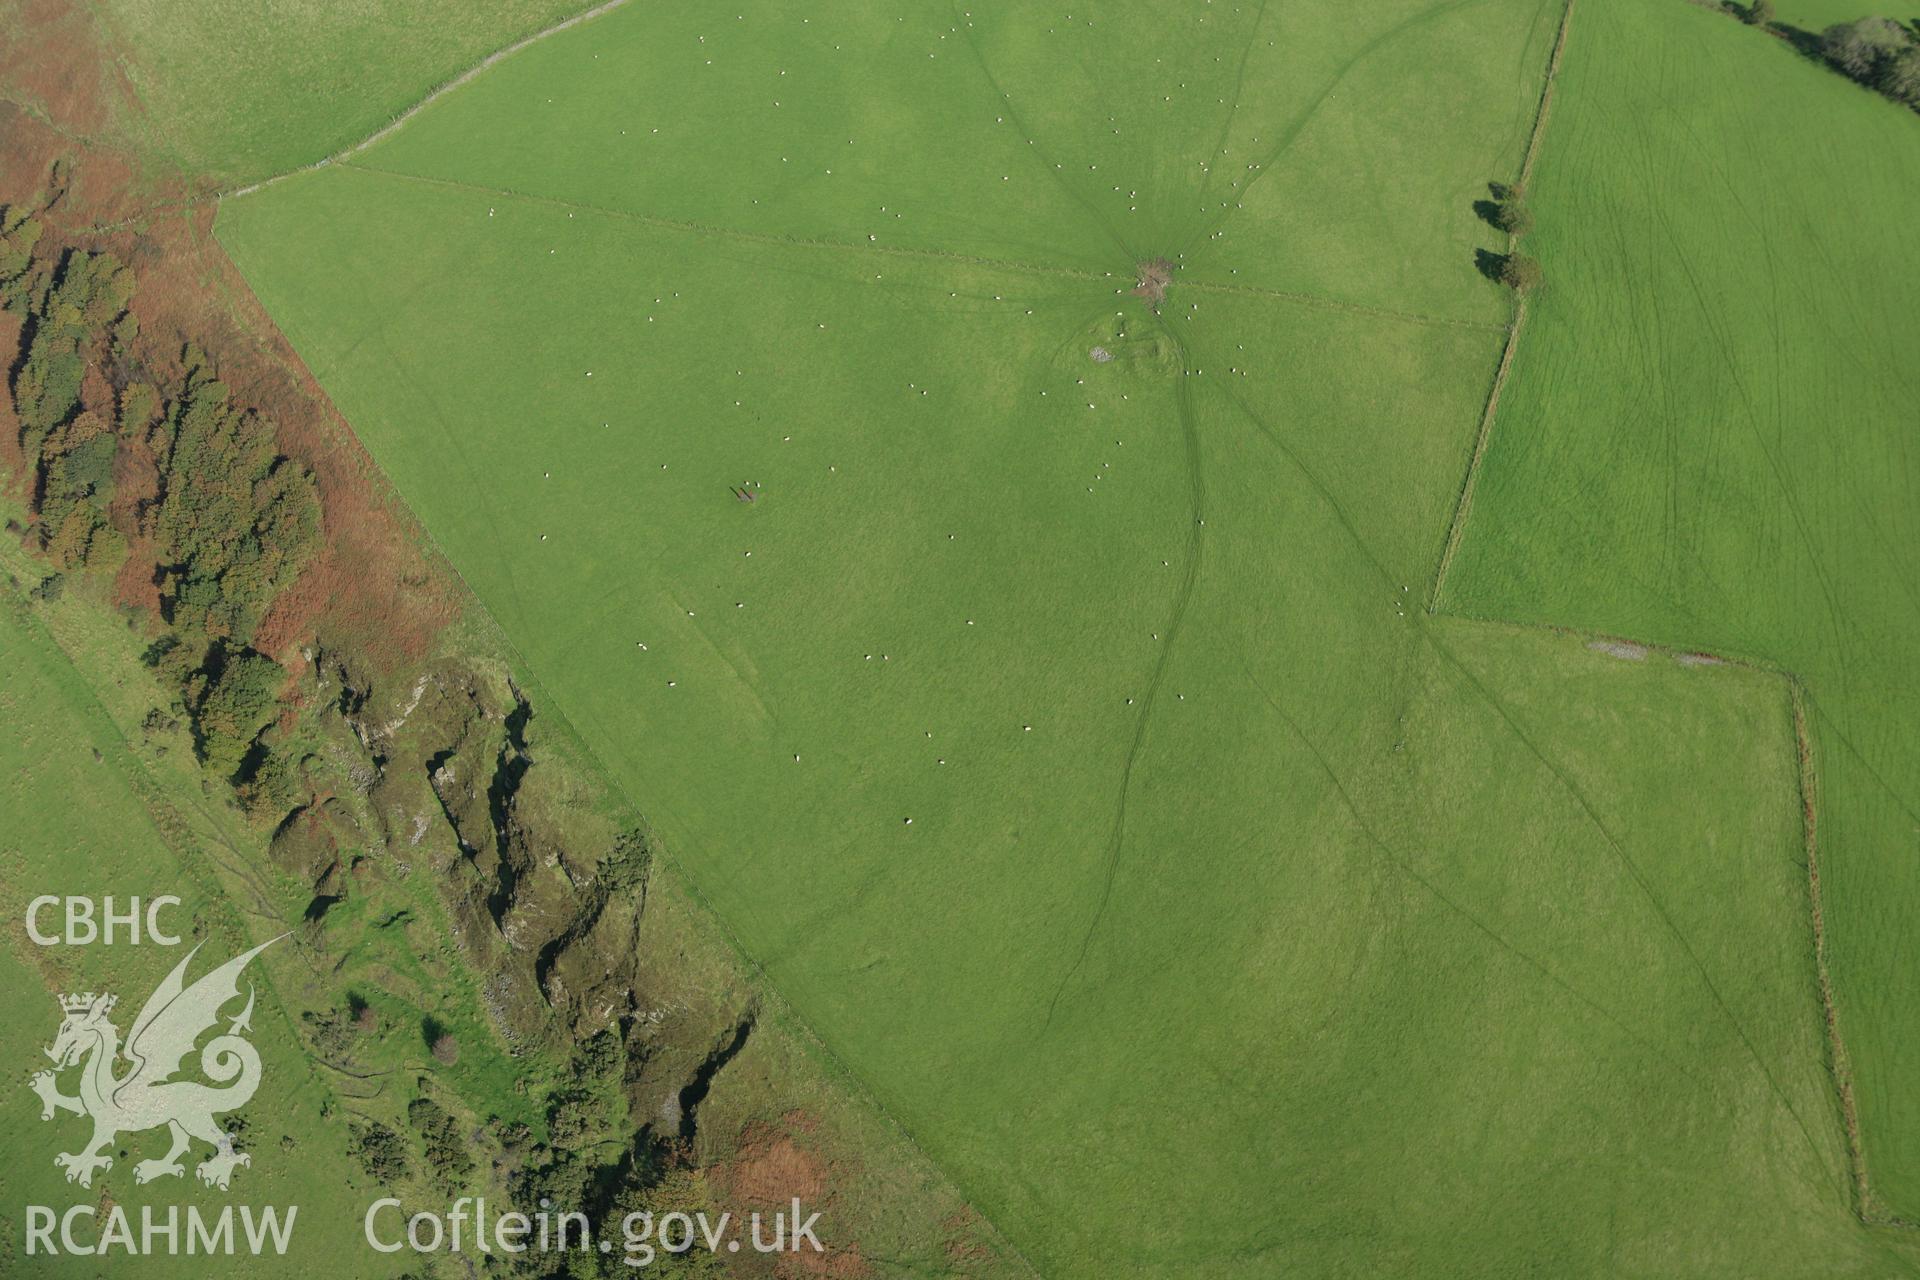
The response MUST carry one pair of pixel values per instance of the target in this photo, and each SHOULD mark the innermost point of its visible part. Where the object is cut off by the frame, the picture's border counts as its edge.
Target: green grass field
(1065, 736)
(1818, 15)
(239, 91)
(76, 823)
(1708, 441)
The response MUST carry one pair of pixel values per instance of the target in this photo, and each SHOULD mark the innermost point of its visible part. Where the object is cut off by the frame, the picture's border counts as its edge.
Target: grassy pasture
(137, 818)
(74, 822)
(1708, 441)
(1249, 922)
(240, 90)
(1092, 140)
(1818, 15)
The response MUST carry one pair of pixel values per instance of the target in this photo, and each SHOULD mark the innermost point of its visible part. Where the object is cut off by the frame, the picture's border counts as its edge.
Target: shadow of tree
(1803, 42)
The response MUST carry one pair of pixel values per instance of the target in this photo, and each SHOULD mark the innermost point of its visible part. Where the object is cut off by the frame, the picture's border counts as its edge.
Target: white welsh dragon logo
(173, 1019)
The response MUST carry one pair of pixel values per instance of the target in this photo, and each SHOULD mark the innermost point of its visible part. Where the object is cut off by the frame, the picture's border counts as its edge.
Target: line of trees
(67, 308)
(1880, 53)
(1507, 211)
(229, 521)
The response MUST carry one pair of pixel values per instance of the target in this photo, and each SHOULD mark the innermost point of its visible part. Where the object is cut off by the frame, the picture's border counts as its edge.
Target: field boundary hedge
(1839, 1064)
(1465, 502)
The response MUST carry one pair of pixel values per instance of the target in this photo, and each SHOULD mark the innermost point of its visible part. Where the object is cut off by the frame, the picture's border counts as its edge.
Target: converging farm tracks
(1076, 655)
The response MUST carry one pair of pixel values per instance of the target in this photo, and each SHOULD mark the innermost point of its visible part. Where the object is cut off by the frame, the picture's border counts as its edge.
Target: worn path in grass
(79, 818)
(1065, 738)
(1707, 442)
(234, 92)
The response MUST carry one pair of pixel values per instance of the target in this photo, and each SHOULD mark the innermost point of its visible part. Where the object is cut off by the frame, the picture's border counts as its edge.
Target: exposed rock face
(438, 774)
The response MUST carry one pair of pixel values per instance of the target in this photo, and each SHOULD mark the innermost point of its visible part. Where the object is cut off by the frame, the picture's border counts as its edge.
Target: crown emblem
(150, 1094)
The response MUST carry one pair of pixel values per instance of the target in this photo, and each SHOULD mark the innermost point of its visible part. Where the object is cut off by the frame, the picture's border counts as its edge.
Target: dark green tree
(1857, 48)
(380, 1151)
(1900, 76)
(1521, 273)
(236, 702)
(75, 486)
(236, 520)
(1513, 217)
(440, 1139)
(19, 233)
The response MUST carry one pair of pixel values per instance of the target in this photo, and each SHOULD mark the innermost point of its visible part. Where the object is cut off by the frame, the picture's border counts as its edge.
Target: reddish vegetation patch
(59, 69)
(136, 584)
(96, 393)
(9, 424)
(840, 1263)
(769, 1168)
(54, 102)
(966, 1252)
(136, 479)
(374, 589)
